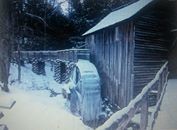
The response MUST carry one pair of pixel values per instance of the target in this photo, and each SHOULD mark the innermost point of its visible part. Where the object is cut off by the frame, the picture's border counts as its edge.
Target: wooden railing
(2, 126)
(65, 55)
(121, 119)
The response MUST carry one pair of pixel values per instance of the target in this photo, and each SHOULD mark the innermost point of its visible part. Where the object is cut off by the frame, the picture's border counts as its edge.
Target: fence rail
(121, 119)
(71, 55)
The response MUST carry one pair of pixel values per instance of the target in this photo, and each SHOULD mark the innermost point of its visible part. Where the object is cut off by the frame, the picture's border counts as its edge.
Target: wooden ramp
(167, 117)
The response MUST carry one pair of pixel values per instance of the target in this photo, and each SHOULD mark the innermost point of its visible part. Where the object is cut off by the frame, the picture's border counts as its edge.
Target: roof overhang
(119, 15)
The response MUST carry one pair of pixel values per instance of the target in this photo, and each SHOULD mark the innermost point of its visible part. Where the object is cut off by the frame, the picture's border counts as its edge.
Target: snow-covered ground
(34, 108)
(167, 117)
(31, 81)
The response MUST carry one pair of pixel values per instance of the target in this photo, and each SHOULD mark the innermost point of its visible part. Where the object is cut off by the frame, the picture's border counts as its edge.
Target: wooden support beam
(1, 115)
(159, 88)
(144, 113)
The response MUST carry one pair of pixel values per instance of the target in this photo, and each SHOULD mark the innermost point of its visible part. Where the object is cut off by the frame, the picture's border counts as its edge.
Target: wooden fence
(121, 119)
(71, 55)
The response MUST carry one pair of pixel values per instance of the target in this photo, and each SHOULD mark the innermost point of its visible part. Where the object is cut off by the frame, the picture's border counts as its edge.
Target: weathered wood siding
(112, 53)
(129, 54)
(150, 47)
(173, 63)
(173, 48)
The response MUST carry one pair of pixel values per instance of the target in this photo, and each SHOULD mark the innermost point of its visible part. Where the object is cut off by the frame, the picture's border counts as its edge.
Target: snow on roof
(119, 15)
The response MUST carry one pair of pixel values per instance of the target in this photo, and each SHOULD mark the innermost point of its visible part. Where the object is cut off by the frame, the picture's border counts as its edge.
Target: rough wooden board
(3, 127)
(6, 102)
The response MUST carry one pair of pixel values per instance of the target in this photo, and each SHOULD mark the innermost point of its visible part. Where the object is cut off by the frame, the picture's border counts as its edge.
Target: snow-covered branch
(38, 17)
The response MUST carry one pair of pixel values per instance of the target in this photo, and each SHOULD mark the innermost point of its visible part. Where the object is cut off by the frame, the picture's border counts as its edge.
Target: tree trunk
(5, 45)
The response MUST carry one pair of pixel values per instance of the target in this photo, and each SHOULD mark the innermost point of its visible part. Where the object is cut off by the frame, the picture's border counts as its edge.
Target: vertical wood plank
(144, 113)
(159, 89)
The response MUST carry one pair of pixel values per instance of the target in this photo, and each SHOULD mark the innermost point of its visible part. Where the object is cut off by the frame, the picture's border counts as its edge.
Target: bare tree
(5, 44)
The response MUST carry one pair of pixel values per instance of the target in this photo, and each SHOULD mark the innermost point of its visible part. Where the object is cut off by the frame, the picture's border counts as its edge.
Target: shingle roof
(119, 15)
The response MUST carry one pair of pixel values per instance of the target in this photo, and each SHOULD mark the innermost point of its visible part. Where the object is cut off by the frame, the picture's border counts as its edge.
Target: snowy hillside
(31, 81)
(35, 109)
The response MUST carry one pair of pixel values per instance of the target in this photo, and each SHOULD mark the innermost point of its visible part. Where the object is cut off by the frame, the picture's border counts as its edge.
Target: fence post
(166, 73)
(19, 64)
(144, 113)
(1, 114)
(159, 89)
(75, 56)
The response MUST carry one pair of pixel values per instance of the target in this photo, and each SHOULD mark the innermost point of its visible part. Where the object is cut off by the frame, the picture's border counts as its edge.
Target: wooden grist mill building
(128, 47)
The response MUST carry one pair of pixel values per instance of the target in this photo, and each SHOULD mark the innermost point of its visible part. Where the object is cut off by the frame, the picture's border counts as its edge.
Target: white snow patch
(1, 84)
(86, 67)
(64, 5)
(167, 116)
(34, 108)
(31, 81)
